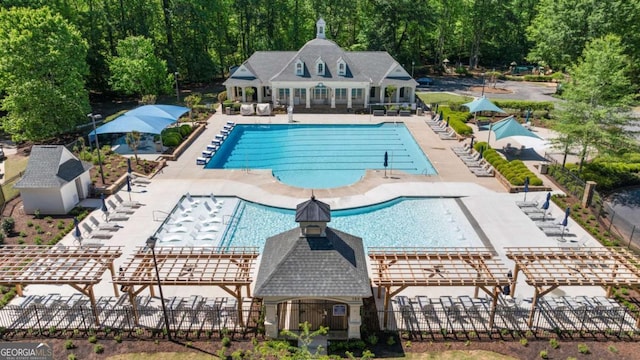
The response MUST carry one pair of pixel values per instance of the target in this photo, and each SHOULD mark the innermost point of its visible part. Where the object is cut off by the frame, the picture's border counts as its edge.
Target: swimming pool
(321, 156)
(403, 222)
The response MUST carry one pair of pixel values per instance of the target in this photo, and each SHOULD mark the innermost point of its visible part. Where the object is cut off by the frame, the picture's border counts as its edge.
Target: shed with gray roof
(54, 181)
(322, 73)
(313, 267)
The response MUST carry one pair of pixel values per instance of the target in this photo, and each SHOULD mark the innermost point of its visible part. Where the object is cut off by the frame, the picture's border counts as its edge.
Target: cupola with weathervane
(313, 216)
(320, 28)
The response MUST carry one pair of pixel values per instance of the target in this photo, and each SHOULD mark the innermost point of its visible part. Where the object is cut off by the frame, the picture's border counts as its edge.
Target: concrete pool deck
(490, 205)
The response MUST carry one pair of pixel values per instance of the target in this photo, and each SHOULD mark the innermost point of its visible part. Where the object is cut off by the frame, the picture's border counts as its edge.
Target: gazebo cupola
(320, 29)
(313, 216)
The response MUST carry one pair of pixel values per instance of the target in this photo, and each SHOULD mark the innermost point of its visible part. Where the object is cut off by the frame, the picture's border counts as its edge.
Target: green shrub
(583, 349)
(72, 357)
(185, 130)
(98, 349)
(8, 225)
(69, 345)
(544, 354)
(553, 342)
(226, 341)
(457, 120)
(222, 96)
(514, 171)
(93, 339)
(538, 78)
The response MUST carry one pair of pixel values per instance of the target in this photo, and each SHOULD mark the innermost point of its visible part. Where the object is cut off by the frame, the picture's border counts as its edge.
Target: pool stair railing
(231, 222)
(159, 215)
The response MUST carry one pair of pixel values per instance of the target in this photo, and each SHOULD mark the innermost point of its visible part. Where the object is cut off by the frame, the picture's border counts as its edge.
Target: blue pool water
(403, 222)
(321, 156)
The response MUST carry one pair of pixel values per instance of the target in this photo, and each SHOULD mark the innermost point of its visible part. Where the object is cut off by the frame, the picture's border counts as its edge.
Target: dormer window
(342, 68)
(299, 68)
(320, 67)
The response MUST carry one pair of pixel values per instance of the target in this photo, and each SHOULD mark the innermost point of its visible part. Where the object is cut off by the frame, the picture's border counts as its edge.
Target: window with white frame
(320, 68)
(320, 92)
(283, 94)
(299, 68)
(356, 93)
(341, 94)
(342, 68)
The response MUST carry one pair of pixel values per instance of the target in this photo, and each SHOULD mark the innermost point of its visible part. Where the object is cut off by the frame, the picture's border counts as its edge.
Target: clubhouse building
(321, 74)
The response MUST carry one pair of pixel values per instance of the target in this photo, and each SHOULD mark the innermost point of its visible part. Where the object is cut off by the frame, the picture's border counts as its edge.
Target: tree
(137, 70)
(596, 112)
(42, 74)
(133, 140)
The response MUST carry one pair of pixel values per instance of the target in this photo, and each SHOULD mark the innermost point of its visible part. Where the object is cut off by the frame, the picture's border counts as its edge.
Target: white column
(397, 95)
(333, 98)
(382, 91)
(366, 91)
(229, 92)
(291, 96)
(349, 106)
(260, 93)
(354, 321)
(271, 320)
(244, 94)
(274, 95)
(308, 97)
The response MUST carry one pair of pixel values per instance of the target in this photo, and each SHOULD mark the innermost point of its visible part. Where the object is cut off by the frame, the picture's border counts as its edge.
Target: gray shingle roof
(374, 66)
(45, 170)
(292, 265)
(313, 210)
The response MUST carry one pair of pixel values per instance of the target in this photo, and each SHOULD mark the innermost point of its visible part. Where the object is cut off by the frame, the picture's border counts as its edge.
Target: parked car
(424, 82)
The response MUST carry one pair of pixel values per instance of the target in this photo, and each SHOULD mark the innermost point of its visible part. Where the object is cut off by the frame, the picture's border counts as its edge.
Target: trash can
(419, 111)
(544, 168)
(228, 110)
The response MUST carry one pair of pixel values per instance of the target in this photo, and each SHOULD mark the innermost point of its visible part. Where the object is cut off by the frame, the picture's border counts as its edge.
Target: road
(519, 90)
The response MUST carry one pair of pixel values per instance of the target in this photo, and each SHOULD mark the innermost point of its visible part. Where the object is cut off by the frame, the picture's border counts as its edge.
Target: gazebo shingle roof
(298, 266)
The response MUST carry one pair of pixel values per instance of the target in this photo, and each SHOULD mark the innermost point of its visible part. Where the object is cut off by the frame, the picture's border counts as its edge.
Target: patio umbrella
(447, 121)
(472, 138)
(482, 104)
(508, 127)
(129, 187)
(129, 167)
(526, 187)
(545, 205)
(104, 204)
(565, 221)
(76, 233)
(386, 163)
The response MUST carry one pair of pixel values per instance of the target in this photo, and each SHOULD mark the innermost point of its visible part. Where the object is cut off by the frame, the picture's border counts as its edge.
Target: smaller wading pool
(403, 222)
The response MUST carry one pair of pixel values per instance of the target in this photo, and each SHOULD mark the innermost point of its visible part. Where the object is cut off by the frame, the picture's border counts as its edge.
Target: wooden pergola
(547, 268)
(79, 267)
(231, 270)
(395, 269)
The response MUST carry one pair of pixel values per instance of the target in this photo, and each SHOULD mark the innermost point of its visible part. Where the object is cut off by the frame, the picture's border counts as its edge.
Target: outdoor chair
(168, 237)
(90, 233)
(487, 171)
(176, 228)
(535, 202)
(183, 210)
(207, 228)
(191, 200)
(204, 235)
(122, 202)
(451, 135)
(216, 202)
(212, 211)
(103, 226)
(139, 180)
(120, 209)
(180, 220)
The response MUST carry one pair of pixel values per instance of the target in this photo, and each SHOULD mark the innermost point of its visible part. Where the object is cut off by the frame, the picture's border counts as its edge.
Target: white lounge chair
(91, 233)
(207, 228)
(103, 226)
(204, 235)
(120, 209)
(487, 171)
(167, 237)
(184, 210)
(176, 228)
(216, 202)
(211, 210)
(180, 220)
(122, 202)
(451, 135)
(191, 200)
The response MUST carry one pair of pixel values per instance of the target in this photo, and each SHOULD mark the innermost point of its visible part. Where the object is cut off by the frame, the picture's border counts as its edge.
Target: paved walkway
(490, 205)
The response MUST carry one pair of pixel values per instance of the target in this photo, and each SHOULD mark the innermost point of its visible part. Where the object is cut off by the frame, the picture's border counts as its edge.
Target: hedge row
(514, 171)
(524, 105)
(609, 176)
(232, 104)
(173, 136)
(457, 120)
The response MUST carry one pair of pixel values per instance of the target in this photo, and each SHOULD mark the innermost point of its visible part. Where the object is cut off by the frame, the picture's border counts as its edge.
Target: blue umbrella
(545, 205)
(472, 138)
(447, 121)
(526, 187)
(129, 187)
(528, 114)
(481, 151)
(104, 204)
(565, 221)
(386, 163)
(77, 234)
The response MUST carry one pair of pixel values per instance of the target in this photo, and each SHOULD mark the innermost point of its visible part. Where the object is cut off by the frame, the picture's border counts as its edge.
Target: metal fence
(8, 192)
(629, 232)
(49, 320)
(427, 324)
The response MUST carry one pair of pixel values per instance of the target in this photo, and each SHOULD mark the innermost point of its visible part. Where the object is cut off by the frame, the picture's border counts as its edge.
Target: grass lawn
(446, 355)
(442, 98)
(13, 166)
